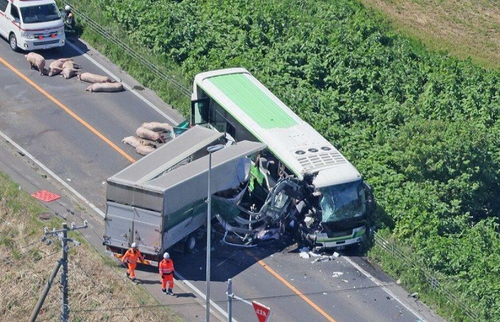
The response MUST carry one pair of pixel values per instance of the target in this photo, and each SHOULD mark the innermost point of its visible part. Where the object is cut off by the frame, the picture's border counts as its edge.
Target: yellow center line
(293, 288)
(67, 110)
(128, 157)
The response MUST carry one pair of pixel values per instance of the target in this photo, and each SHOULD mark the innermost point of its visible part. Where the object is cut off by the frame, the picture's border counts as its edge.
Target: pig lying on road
(68, 72)
(93, 78)
(142, 149)
(36, 61)
(54, 70)
(56, 67)
(71, 65)
(135, 142)
(105, 87)
(149, 135)
(157, 126)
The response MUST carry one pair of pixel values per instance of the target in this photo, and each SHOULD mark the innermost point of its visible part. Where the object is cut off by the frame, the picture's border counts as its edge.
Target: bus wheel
(190, 244)
(13, 42)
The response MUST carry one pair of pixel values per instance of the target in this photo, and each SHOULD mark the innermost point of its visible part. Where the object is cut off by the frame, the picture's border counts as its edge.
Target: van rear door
(125, 224)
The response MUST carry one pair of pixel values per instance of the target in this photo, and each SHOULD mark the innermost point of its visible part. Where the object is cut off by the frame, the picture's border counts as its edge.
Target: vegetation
(97, 291)
(422, 127)
(465, 28)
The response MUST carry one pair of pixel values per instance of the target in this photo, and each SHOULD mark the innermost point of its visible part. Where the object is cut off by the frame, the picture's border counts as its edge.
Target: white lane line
(91, 205)
(130, 89)
(202, 295)
(379, 283)
(52, 174)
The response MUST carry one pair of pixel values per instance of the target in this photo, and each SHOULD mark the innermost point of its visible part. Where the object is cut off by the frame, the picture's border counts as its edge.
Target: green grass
(121, 58)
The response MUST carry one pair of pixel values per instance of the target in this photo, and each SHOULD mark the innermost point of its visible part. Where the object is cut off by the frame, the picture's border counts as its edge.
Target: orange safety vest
(131, 256)
(166, 267)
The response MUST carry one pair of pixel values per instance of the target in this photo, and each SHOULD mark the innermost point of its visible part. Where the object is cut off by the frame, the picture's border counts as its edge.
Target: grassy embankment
(465, 28)
(98, 292)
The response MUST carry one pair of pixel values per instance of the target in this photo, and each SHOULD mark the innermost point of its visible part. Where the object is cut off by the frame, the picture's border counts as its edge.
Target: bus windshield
(40, 13)
(342, 201)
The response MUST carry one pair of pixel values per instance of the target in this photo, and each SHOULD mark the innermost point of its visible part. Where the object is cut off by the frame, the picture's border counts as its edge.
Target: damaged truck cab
(301, 181)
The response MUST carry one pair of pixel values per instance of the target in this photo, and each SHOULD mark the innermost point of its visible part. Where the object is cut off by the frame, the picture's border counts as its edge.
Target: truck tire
(190, 244)
(13, 42)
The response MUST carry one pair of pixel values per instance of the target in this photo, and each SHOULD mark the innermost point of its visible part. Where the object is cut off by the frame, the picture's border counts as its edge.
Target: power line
(270, 297)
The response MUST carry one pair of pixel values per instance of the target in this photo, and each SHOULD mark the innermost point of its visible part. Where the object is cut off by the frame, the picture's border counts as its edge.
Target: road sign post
(262, 311)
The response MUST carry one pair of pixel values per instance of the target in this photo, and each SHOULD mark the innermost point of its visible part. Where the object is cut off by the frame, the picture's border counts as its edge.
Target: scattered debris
(337, 274)
(323, 258)
(414, 295)
(398, 281)
(304, 255)
(269, 234)
(335, 254)
(345, 281)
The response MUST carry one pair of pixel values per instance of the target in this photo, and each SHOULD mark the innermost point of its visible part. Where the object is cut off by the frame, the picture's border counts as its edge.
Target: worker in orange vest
(166, 269)
(130, 258)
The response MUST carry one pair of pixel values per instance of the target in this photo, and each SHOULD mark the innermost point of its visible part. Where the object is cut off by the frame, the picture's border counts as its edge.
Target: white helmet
(166, 256)
(134, 245)
(67, 8)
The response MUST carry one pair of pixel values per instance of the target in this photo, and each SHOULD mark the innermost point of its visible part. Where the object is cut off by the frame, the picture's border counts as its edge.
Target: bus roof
(294, 142)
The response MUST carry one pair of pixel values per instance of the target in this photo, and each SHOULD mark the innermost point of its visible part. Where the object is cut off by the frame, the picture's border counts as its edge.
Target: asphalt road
(275, 275)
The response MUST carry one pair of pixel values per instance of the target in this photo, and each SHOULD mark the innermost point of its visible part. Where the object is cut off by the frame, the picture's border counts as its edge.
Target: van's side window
(14, 12)
(3, 5)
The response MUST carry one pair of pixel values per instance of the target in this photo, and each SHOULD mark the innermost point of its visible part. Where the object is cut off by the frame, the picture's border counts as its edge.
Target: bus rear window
(40, 13)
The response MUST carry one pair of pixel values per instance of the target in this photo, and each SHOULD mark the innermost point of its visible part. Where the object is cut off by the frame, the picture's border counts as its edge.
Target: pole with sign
(262, 311)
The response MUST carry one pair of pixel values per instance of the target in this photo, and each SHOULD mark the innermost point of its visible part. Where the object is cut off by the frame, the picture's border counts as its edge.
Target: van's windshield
(40, 13)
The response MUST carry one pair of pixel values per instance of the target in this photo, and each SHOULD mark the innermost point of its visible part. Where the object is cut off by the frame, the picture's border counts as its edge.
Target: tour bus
(330, 201)
(31, 24)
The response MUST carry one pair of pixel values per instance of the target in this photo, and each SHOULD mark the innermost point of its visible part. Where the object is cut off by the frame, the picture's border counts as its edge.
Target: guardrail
(111, 37)
(436, 283)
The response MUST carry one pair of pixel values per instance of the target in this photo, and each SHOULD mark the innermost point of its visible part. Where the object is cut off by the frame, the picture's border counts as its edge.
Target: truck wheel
(13, 42)
(190, 244)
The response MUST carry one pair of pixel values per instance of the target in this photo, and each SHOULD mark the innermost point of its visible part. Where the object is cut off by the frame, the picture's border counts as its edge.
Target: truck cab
(31, 24)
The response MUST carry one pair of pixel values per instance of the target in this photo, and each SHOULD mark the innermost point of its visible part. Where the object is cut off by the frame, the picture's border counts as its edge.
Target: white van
(31, 24)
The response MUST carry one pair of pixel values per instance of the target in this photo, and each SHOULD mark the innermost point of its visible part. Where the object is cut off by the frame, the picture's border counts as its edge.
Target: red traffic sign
(263, 312)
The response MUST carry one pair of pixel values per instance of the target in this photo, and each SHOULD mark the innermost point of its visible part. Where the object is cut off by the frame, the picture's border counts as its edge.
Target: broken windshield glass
(342, 201)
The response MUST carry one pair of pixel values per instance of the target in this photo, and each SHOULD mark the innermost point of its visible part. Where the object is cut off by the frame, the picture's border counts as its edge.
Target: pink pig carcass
(36, 61)
(105, 87)
(149, 135)
(93, 78)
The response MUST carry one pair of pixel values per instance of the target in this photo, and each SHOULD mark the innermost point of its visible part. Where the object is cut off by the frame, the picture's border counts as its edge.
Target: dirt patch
(464, 28)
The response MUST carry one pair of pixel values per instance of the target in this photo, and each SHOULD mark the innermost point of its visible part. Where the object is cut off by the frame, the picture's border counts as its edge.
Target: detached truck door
(119, 225)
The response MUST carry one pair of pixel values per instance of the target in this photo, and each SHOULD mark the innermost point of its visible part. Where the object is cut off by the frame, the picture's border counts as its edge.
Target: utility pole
(62, 234)
(230, 296)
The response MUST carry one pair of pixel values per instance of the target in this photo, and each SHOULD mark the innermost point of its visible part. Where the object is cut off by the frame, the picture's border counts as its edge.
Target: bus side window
(199, 111)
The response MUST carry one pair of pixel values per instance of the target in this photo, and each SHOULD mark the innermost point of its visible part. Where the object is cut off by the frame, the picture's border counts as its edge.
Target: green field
(465, 28)
(421, 126)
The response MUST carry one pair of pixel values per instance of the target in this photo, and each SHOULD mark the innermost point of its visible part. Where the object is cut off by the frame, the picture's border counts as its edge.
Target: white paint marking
(201, 294)
(130, 89)
(379, 283)
(52, 174)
